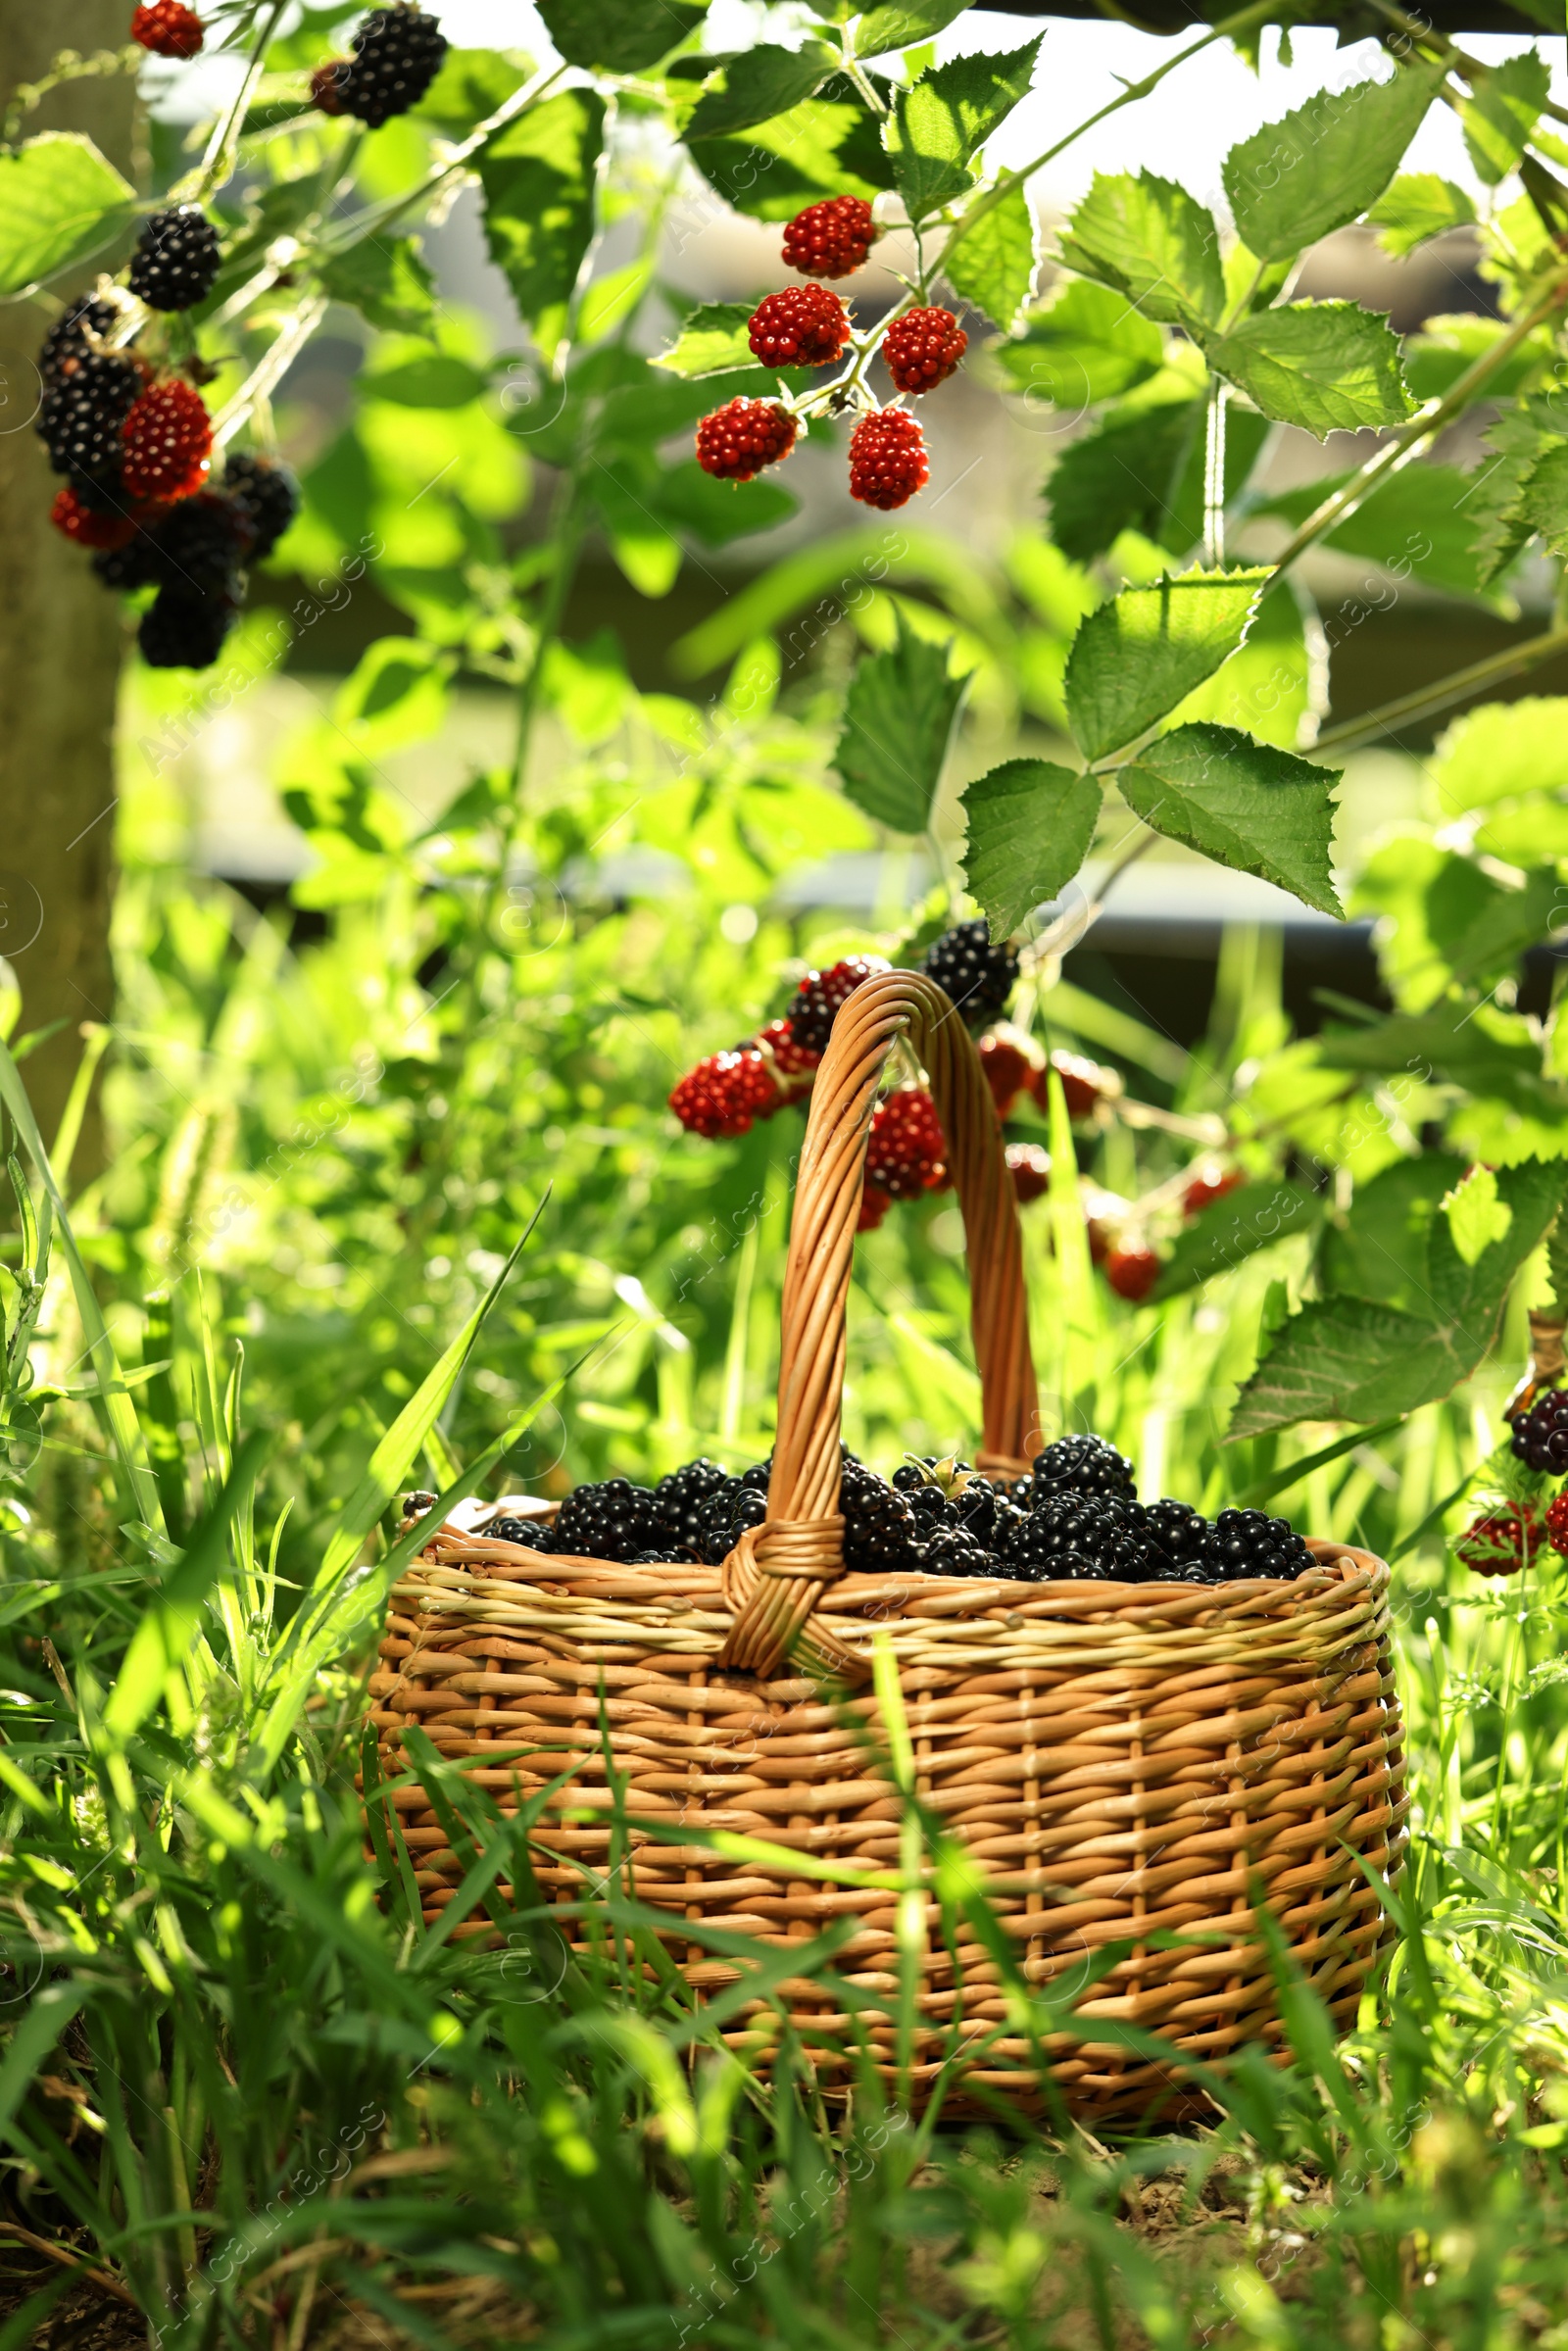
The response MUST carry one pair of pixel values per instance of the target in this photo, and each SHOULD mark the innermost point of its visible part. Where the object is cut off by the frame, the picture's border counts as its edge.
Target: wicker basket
(1120, 1759)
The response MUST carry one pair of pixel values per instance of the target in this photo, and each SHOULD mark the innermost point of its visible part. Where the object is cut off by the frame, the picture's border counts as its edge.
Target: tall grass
(247, 2097)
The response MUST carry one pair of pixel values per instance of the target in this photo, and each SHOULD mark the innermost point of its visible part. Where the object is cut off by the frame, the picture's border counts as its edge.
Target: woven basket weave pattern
(1123, 1761)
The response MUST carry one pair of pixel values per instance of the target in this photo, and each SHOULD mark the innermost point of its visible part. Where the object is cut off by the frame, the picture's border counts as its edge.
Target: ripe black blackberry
(930, 1506)
(1007, 1528)
(185, 630)
(266, 494)
(881, 1534)
(977, 976)
(661, 1559)
(680, 1498)
(812, 1008)
(759, 1477)
(1068, 1536)
(1249, 1542)
(733, 1507)
(66, 341)
(129, 567)
(953, 1551)
(176, 257)
(1182, 1533)
(910, 1476)
(1541, 1436)
(974, 1506)
(612, 1521)
(397, 54)
(200, 546)
(1083, 1465)
(80, 418)
(533, 1533)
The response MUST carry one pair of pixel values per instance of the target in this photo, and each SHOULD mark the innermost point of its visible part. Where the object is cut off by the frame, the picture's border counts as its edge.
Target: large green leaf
(1351, 1358)
(1377, 1248)
(1251, 1218)
(1500, 113)
(898, 24)
(470, 86)
(757, 84)
(712, 339)
(1416, 524)
(1418, 206)
(1143, 470)
(1297, 179)
(898, 718)
(1154, 243)
(1136, 658)
(994, 267)
(624, 37)
(1246, 805)
(829, 145)
(1089, 344)
(60, 201)
(1328, 366)
(385, 280)
(940, 122)
(538, 179)
(717, 512)
(1031, 825)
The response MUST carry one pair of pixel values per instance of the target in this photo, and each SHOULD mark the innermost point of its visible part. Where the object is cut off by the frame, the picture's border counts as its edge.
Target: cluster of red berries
(807, 326)
(168, 29)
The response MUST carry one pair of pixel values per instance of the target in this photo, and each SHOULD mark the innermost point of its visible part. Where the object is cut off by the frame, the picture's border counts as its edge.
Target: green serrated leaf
(1153, 242)
(1418, 206)
(385, 280)
(439, 379)
(1297, 179)
(715, 512)
(1417, 523)
(995, 266)
(1348, 1358)
(937, 125)
(1328, 366)
(711, 341)
(1251, 1218)
(1544, 499)
(60, 202)
(622, 36)
(756, 86)
(469, 87)
(1088, 345)
(1509, 1218)
(1247, 805)
(901, 23)
(1136, 658)
(829, 145)
(898, 717)
(1500, 113)
(1143, 470)
(538, 179)
(1030, 828)
(1495, 501)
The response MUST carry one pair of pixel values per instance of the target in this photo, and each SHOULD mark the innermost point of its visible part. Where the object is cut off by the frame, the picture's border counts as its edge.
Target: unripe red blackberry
(978, 976)
(397, 54)
(725, 1093)
(743, 436)
(1208, 1186)
(167, 440)
(874, 1205)
(90, 527)
(792, 1059)
(906, 1153)
(803, 326)
(1008, 1067)
(888, 463)
(1132, 1270)
(328, 87)
(1558, 1523)
(1030, 1169)
(817, 1001)
(830, 239)
(175, 261)
(922, 349)
(266, 494)
(1500, 1542)
(1083, 1083)
(168, 29)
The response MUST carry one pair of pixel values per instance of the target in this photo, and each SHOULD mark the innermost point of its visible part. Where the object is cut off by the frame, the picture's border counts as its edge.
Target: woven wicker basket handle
(776, 1574)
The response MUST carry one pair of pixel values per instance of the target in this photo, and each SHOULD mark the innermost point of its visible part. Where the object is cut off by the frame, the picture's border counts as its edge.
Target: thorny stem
(1426, 700)
(1402, 446)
